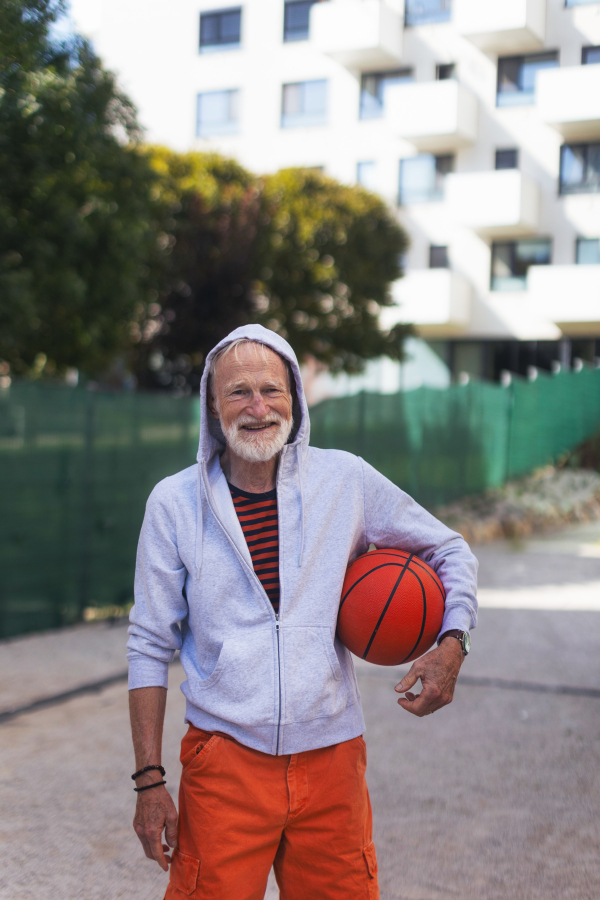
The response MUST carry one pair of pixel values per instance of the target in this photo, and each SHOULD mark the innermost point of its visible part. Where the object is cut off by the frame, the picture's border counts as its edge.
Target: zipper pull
(276, 621)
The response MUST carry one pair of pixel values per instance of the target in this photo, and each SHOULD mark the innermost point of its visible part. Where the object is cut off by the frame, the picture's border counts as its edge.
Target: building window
(579, 2)
(422, 178)
(445, 71)
(512, 259)
(516, 77)
(366, 175)
(373, 87)
(220, 30)
(507, 159)
(304, 103)
(587, 251)
(296, 20)
(218, 113)
(580, 169)
(590, 55)
(438, 257)
(425, 12)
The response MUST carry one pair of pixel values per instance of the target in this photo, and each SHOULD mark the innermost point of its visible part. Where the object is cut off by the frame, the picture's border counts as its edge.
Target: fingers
(156, 849)
(171, 830)
(428, 701)
(411, 678)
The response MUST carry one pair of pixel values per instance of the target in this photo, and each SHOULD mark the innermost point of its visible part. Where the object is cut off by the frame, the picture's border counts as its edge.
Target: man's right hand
(155, 812)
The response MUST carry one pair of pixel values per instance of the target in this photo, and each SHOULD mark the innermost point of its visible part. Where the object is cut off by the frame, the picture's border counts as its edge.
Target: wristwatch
(463, 638)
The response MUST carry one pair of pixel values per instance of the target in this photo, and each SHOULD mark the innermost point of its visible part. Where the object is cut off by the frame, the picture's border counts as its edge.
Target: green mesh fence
(77, 466)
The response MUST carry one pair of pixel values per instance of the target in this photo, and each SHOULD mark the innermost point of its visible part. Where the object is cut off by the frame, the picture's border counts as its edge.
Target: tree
(332, 254)
(76, 218)
(213, 214)
(306, 256)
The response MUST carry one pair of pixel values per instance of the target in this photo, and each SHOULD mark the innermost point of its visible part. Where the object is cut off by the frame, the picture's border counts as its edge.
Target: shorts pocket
(371, 859)
(201, 751)
(184, 872)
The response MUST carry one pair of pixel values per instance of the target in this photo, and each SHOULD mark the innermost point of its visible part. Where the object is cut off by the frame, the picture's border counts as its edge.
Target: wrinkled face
(251, 397)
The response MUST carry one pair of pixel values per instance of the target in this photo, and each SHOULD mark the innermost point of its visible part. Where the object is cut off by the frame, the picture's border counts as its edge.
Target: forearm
(147, 713)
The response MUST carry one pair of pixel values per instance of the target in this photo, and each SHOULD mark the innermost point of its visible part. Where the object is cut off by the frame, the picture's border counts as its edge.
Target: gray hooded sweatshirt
(277, 684)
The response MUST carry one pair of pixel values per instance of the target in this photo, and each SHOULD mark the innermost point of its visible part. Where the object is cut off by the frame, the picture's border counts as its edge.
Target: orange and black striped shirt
(258, 517)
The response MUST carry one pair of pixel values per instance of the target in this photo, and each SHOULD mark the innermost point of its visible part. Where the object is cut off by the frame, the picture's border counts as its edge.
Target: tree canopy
(76, 224)
(109, 248)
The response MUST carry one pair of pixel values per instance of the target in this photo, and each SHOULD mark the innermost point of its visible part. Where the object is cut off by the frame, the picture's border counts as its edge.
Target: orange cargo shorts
(241, 812)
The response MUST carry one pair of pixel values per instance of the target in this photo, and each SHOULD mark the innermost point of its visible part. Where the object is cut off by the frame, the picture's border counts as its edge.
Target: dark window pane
(296, 20)
(511, 261)
(516, 77)
(507, 159)
(219, 29)
(587, 252)
(423, 12)
(590, 55)
(438, 257)
(580, 169)
(445, 71)
(372, 90)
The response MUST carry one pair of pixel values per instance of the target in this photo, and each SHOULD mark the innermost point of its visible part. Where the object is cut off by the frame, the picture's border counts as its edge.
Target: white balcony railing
(568, 295)
(434, 116)
(360, 34)
(508, 26)
(436, 301)
(497, 204)
(569, 99)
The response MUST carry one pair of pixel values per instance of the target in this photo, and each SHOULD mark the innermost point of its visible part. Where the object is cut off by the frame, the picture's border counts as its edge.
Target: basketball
(391, 609)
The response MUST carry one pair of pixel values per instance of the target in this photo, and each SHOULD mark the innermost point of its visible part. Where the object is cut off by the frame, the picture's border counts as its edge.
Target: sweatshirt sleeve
(160, 603)
(394, 520)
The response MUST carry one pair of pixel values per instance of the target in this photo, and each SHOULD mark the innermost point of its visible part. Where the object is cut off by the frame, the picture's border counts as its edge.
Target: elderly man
(240, 567)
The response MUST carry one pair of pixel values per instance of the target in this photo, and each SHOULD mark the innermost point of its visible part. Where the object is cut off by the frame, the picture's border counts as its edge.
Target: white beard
(259, 446)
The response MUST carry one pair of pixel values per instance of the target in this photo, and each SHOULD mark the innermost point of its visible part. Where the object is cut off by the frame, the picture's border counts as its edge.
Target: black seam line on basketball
(422, 566)
(385, 608)
(408, 656)
(349, 591)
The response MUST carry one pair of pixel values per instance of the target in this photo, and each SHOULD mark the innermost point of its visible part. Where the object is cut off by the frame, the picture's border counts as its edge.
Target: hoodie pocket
(314, 686)
(241, 687)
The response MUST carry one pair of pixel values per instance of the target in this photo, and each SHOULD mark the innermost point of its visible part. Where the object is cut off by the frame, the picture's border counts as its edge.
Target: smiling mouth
(258, 427)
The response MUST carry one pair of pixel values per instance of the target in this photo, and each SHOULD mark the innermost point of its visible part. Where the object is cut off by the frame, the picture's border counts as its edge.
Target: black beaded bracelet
(148, 769)
(148, 786)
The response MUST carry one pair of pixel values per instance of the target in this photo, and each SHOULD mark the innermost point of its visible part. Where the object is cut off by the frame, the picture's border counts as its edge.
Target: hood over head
(212, 440)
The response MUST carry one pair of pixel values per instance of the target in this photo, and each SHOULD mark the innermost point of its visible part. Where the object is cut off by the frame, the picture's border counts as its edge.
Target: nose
(257, 406)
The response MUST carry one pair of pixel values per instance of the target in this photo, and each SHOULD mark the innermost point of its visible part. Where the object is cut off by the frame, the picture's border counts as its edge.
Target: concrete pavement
(496, 796)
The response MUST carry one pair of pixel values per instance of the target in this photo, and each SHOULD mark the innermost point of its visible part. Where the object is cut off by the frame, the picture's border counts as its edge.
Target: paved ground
(494, 798)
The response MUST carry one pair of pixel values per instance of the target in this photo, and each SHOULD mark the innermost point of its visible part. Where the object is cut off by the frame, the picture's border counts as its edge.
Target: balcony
(510, 26)
(360, 34)
(569, 99)
(495, 204)
(436, 301)
(434, 116)
(568, 295)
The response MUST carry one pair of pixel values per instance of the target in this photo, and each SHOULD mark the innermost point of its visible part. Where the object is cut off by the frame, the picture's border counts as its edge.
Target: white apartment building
(477, 120)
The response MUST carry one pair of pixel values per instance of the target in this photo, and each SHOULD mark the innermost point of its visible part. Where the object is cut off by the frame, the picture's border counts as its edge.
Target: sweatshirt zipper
(279, 682)
(257, 580)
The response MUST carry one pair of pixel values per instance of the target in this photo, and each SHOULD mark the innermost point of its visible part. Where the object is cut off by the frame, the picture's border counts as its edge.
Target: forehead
(255, 361)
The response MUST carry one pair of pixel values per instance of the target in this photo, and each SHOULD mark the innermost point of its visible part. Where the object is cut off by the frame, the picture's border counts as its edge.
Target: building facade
(478, 120)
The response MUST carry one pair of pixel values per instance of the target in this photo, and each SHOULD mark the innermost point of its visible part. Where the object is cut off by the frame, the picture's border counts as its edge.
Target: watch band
(462, 637)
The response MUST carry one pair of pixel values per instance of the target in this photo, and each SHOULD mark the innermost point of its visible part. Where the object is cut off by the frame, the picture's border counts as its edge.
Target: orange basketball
(392, 607)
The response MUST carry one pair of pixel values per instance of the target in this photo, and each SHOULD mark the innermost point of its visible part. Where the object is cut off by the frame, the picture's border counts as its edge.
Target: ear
(210, 400)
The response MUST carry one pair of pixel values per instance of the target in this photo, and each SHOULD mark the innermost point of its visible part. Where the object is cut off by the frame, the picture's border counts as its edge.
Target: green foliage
(308, 257)
(212, 214)
(76, 226)
(332, 253)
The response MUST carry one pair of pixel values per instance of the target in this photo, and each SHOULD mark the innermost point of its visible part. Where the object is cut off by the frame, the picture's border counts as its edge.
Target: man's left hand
(438, 672)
